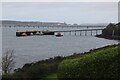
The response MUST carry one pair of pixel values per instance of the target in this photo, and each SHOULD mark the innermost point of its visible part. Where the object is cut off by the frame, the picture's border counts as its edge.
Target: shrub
(101, 64)
(36, 70)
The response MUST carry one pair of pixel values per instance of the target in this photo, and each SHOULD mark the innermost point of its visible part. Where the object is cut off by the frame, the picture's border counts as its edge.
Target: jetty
(33, 32)
(47, 32)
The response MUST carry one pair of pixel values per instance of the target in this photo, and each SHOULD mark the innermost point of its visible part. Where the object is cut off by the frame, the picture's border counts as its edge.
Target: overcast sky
(79, 12)
(59, 0)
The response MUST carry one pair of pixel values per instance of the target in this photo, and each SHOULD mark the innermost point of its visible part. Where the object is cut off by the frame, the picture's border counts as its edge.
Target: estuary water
(33, 48)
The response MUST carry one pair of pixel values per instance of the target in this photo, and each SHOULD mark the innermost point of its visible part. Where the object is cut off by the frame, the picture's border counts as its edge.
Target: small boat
(58, 34)
(23, 34)
(37, 33)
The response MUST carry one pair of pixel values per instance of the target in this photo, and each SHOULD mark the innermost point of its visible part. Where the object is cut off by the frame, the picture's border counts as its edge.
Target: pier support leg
(91, 32)
(70, 33)
(75, 33)
(96, 32)
(80, 33)
(85, 33)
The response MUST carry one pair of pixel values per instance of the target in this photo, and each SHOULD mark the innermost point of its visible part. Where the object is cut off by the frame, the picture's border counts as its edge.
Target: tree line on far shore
(112, 31)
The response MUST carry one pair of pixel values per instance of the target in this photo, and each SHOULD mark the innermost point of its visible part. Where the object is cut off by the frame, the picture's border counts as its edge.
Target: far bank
(112, 31)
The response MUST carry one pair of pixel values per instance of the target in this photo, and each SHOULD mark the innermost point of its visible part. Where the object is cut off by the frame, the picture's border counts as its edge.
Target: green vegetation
(98, 63)
(112, 31)
(35, 71)
(51, 77)
(95, 65)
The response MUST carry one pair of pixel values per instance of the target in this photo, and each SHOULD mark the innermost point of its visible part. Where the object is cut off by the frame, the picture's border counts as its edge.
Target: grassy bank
(96, 65)
(51, 77)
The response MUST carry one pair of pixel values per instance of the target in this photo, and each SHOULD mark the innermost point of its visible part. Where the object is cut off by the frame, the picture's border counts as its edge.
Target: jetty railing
(58, 26)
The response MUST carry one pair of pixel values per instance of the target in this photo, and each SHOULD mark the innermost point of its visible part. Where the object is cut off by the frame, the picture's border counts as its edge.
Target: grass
(51, 77)
(101, 63)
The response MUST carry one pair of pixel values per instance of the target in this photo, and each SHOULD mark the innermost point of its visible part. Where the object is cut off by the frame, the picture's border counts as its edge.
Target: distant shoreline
(109, 37)
(52, 23)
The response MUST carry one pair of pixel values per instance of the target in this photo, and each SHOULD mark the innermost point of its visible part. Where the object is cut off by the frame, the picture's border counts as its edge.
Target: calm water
(34, 48)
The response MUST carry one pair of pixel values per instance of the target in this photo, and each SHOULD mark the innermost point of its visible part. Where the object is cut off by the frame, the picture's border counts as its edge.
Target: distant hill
(37, 23)
(30, 23)
(95, 24)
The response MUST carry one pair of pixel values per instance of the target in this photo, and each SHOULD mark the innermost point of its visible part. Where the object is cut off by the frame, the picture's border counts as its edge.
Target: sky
(69, 12)
(59, 0)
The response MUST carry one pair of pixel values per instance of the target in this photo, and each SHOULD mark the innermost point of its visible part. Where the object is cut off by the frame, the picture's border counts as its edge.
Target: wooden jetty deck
(33, 32)
(37, 32)
(80, 31)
